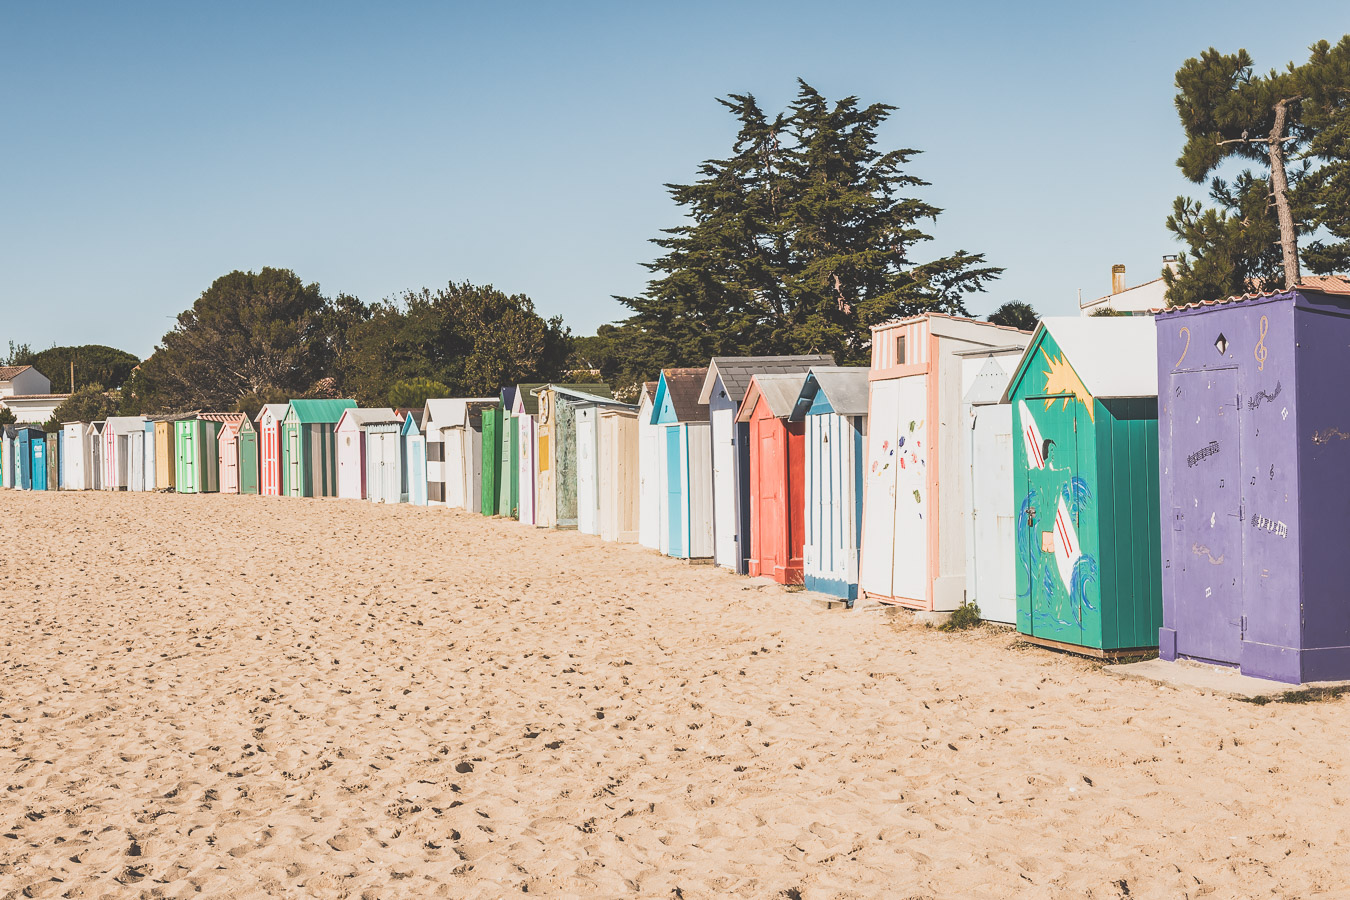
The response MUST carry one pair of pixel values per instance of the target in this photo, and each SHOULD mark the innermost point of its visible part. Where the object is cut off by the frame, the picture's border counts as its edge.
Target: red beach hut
(777, 477)
(268, 422)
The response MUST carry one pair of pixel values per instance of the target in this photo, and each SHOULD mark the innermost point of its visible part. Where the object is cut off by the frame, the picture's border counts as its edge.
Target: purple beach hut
(1254, 444)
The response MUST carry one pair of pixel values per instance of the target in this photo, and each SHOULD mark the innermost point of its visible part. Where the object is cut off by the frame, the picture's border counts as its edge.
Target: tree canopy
(89, 403)
(798, 241)
(1015, 314)
(1293, 126)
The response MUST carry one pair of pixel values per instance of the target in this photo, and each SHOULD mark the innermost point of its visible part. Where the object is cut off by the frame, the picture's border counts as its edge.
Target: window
(435, 451)
(900, 350)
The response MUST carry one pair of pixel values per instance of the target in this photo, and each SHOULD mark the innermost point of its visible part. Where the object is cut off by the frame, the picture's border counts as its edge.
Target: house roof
(682, 387)
(360, 417)
(278, 411)
(1327, 284)
(1336, 285)
(845, 389)
(7, 373)
(12, 397)
(736, 372)
(1114, 356)
(453, 412)
(316, 412)
(780, 391)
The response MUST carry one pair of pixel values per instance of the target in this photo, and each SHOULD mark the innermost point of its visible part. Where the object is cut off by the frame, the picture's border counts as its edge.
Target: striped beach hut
(196, 454)
(351, 448)
(651, 475)
(309, 447)
(454, 429)
(148, 454)
(123, 453)
(1085, 481)
(238, 453)
(53, 461)
(520, 435)
(268, 425)
(723, 391)
(914, 522)
(686, 502)
(777, 476)
(166, 450)
(833, 405)
(75, 452)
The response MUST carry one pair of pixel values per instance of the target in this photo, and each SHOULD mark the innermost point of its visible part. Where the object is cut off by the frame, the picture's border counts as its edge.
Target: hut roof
(125, 424)
(317, 412)
(453, 412)
(529, 401)
(682, 387)
(779, 390)
(359, 417)
(174, 417)
(736, 371)
(227, 418)
(278, 411)
(845, 389)
(1114, 356)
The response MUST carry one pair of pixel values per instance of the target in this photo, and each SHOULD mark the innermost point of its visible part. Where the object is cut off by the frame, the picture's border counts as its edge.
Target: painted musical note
(1261, 353)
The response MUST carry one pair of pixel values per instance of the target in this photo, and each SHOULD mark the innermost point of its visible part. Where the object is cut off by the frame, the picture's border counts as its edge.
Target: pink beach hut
(268, 422)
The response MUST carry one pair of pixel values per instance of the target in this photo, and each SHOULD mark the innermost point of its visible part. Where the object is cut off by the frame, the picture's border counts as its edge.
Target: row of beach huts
(1177, 482)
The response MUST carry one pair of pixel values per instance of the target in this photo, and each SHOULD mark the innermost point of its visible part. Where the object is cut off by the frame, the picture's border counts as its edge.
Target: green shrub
(967, 615)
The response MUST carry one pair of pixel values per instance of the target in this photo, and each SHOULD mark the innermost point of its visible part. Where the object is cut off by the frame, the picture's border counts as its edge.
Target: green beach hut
(309, 447)
(491, 482)
(1085, 485)
(196, 456)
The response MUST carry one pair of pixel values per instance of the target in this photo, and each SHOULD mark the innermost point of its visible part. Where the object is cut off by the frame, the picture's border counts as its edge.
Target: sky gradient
(374, 148)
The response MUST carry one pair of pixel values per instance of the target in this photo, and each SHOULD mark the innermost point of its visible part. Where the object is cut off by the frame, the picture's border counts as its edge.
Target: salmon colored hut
(777, 477)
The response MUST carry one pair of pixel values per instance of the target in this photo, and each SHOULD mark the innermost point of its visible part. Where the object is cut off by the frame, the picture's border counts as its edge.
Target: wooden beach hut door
(992, 508)
(674, 494)
(229, 463)
(1053, 524)
(895, 561)
(1207, 537)
(293, 461)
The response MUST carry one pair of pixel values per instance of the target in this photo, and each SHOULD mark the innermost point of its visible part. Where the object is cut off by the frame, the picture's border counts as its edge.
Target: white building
(27, 393)
(1141, 298)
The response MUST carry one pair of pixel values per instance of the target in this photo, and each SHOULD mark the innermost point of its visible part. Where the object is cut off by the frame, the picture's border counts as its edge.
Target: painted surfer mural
(1087, 524)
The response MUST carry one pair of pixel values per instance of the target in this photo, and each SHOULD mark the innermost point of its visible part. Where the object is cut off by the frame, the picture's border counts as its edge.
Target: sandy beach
(258, 697)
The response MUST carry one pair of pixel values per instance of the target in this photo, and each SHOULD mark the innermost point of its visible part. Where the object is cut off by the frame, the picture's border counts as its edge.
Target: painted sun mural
(1060, 378)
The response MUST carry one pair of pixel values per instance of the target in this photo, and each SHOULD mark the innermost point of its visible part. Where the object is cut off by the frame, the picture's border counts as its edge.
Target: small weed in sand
(1308, 695)
(967, 615)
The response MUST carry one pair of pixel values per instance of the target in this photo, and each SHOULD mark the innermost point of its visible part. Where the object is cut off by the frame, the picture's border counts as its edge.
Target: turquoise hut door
(674, 475)
(1206, 553)
(1051, 520)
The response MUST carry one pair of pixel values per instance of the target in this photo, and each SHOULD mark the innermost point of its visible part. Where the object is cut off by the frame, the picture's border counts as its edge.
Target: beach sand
(249, 697)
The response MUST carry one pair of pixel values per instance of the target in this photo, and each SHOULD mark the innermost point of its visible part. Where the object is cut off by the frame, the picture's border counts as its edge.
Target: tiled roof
(7, 373)
(682, 385)
(231, 418)
(34, 396)
(736, 371)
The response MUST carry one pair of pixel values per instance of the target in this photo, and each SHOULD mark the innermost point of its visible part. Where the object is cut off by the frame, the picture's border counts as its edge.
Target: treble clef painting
(1261, 353)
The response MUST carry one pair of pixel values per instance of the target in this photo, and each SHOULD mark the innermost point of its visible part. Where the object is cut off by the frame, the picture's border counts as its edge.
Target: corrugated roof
(779, 390)
(317, 412)
(736, 371)
(125, 424)
(845, 387)
(453, 412)
(682, 386)
(369, 416)
(232, 418)
(7, 373)
(1114, 356)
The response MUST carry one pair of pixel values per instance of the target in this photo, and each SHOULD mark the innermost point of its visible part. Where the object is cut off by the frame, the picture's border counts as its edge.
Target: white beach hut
(722, 391)
(620, 469)
(914, 514)
(123, 453)
(651, 475)
(590, 469)
(991, 535)
(351, 448)
(75, 452)
(454, 432)
(384, 460)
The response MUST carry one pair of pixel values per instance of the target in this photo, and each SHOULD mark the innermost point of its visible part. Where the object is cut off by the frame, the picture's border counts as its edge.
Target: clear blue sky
(376, 147)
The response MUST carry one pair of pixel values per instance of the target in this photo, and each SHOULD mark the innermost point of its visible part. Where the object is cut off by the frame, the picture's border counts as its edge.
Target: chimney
(1117, 278)
(1170, 262)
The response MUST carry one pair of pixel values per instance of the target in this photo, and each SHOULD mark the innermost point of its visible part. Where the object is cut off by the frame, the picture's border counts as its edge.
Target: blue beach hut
(686, 450)
(833, 404)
